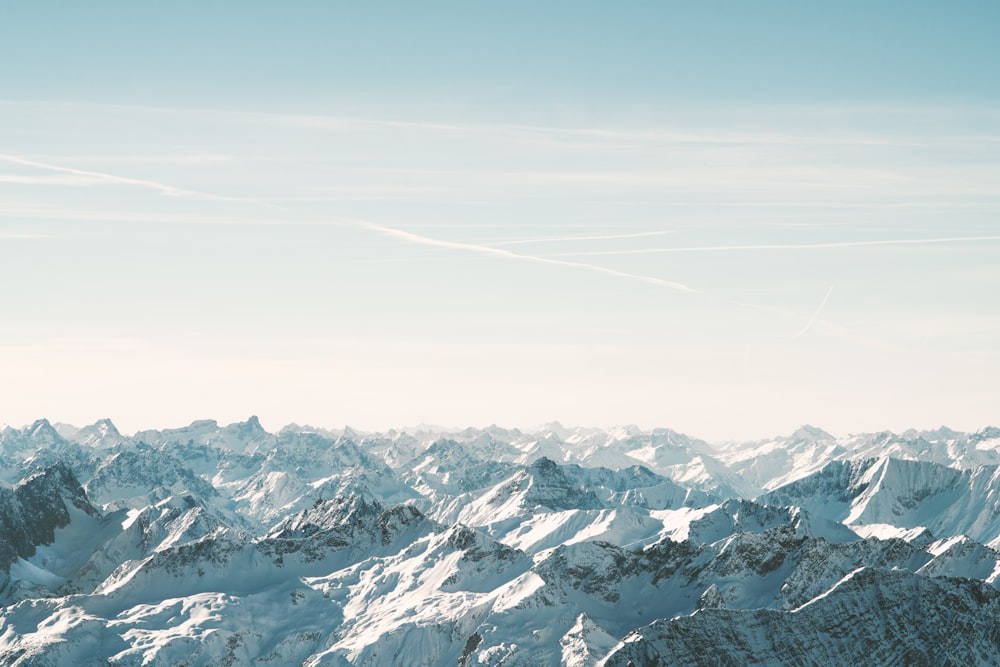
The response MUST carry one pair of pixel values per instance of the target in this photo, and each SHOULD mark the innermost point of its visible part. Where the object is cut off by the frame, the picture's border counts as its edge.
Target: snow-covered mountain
(870, 617)
(229, 545)
(902, 494)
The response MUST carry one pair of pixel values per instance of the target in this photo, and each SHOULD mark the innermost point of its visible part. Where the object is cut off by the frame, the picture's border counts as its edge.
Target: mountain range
(230, 545)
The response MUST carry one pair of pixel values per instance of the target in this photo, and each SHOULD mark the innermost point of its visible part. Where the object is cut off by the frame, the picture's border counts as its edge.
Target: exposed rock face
(873, 617)
(134, 472)
(31, 513)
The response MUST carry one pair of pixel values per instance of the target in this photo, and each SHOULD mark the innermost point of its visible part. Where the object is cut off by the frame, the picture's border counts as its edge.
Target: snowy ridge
(902, 493)
(847, 625)
(213, 544)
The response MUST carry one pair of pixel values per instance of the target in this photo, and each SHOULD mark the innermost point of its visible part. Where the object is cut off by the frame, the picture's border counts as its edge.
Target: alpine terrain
(231, 545)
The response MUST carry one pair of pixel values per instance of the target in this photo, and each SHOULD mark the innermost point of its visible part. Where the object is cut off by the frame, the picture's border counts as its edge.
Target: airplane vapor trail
(105, 177)
(606, 237)
(815, 316)
(506, 254)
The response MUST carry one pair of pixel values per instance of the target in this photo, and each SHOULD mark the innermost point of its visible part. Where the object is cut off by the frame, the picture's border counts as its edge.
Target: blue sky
(726, 218)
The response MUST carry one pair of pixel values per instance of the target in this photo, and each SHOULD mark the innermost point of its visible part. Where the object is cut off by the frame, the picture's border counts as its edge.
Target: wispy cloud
(23, 236)
(181, 159)
(48, 179)
(100, 177)
(560, 239)
(418, 239)
(493, 251)
(62, 215)
(699, 125)
(692, 131)
(780, 246)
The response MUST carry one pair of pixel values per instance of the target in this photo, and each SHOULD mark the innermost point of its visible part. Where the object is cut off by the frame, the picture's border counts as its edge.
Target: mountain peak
(250, 429)
(545, 466)
(988, 433)
(811, 433)
(43, 433)
(101, 432)
(106, 428)
(40, 425)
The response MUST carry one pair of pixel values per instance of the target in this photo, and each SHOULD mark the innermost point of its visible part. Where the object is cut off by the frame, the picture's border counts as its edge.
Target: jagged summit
(102, 433)
(810, 434)
(252, 424)
(43, 433)
(987, 433)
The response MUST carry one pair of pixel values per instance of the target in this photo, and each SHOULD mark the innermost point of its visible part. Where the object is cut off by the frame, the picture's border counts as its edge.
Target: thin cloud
(69, 179)
(417, 239)
(154, 218)
(103, 177)
(839, 331)
(23, 236)
(183, 159)
(87, 177)
(779, 246)
(561, 239)
(692, 131)
(691, 134)
(477, 248)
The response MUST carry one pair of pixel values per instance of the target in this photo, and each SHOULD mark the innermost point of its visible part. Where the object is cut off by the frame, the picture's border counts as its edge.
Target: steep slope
(139, 476)
(943, 446)
(768, 464)
(871, 616)
(102, 434)
(906, 494)
(35, 508)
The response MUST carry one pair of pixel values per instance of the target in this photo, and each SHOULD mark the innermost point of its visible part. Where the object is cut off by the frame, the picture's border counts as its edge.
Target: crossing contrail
(815, 316)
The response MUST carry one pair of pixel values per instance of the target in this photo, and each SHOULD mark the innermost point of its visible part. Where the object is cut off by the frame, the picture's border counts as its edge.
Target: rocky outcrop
(872, 617)
(35, 508)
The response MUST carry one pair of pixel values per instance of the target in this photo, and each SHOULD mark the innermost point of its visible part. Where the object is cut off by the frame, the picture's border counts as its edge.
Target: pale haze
(724, 218)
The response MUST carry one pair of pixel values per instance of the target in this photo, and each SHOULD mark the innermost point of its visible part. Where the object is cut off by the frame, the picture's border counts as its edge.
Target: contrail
(163, 188)
(417, 239)
(506, 254)
(553, 239)
(779, 246)
(815, 316)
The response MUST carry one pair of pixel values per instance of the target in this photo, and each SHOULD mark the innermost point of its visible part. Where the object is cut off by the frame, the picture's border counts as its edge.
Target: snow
(511, 595)
(28, 571)
(850, 575)
(550, 529)
(885, 531)
(677, 523)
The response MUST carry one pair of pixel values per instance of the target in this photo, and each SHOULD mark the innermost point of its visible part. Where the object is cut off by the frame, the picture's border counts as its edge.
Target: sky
(725, 218)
